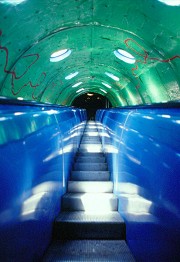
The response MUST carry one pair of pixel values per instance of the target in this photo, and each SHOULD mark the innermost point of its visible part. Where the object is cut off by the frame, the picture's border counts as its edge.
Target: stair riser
(87, 176)
(90, 166)
(90, 159)
(76, 204)
(67, 231)
(90, 187)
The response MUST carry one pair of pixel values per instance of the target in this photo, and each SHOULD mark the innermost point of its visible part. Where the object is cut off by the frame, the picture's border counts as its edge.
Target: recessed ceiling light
(124, 56)
(108, 86)
(103, 90)
(79, 90)
(112, 76)
(77, 84)
(170, 2)
(70, 76)
(89, 94)
(60, 55)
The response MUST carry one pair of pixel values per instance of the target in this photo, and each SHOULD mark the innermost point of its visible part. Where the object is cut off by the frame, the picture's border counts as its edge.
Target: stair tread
(85, 217)
(89, 250)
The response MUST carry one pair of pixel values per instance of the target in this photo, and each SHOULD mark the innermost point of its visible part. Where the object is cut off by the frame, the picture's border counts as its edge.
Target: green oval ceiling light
(124, 56)
(60, 55)
(108, 86)
(170, 2)
(70, 76)
(112, 76)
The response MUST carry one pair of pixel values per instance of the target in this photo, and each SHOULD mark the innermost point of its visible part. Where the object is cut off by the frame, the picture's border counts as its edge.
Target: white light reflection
(170, 2)
(79, 90)
(112, 76)
(166, 116)
(37, 197)
(108, 86)
(96, 202)
(131, 200)
(103, 90)
(77, 84)
(70, 76)
(12, 2)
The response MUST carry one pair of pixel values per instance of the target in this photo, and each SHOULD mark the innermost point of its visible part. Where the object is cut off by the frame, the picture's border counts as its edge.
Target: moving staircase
(89, 227)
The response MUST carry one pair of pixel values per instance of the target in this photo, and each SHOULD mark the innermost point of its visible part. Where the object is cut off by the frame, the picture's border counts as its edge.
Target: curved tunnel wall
(142, 147)
(90, 35)
(37, 147)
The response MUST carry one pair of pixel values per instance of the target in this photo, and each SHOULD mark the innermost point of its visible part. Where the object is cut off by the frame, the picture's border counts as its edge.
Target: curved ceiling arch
(130, 40)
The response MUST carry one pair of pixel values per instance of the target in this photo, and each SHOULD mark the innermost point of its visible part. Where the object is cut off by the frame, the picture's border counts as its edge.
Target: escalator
(89, 227)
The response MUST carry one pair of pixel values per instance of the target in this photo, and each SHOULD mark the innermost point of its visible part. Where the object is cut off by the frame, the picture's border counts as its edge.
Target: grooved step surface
(83, 225)
(90, 186)
(89, 250)
(90, 167)
(90, 154)
(89, 202)
(86, 159)
(90, 175)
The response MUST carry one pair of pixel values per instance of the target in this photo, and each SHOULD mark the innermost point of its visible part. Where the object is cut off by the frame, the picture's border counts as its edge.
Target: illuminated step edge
(82, 225)
(90, 186)
(101, 202)
(90, 175)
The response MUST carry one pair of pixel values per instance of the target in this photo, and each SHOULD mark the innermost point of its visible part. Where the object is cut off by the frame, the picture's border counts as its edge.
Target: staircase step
(90, 186)
(90, 175)
(86, 159)
(82, 225)
(91, 133)
(90, 141)
(103, 202)
(89, 251)
(90, 166)
(90, 154)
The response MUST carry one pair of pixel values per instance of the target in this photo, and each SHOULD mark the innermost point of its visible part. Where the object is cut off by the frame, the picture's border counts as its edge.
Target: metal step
(86, 159)
(82, 225)
(91, 141)
(104, 202)
(90, 175)
(90, 166)
(89, 154)
(96, 148)
(89, 251)
(90, 186)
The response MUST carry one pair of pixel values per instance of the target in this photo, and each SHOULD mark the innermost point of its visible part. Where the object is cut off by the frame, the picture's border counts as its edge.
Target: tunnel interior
(59, 56)
(91, 102)
(126, 50)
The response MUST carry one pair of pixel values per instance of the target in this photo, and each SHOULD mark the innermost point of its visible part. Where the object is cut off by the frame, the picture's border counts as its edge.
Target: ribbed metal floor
(89, 250)
(89, 228)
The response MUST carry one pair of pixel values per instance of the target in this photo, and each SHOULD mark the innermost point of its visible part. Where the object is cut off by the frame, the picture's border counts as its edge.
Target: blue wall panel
(142, 146)
(37, 146)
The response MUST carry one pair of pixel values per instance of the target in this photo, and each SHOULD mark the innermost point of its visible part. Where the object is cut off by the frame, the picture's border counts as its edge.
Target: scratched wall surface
(91, 30)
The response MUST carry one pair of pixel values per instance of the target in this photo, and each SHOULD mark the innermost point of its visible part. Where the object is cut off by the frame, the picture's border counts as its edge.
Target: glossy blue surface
(142, 146)
(37, 146)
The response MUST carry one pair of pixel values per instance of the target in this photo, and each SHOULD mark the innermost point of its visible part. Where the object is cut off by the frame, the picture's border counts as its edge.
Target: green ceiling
(32, 30)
